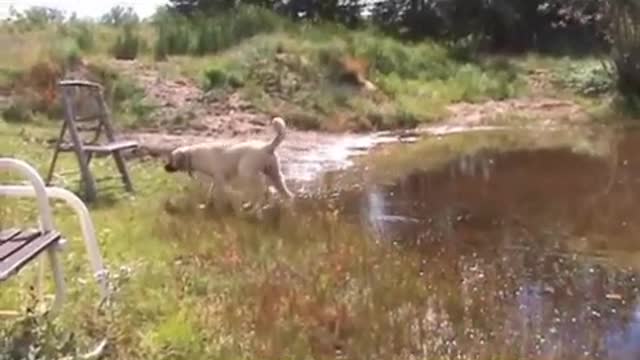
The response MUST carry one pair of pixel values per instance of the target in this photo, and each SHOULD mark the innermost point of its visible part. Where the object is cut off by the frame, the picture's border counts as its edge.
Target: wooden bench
(19, 247)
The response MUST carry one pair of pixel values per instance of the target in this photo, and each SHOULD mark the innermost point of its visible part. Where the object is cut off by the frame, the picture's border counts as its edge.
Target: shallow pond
(529, 240)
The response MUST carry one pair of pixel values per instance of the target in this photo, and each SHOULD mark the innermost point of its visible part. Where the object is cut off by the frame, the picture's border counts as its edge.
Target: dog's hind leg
(253, 186)
(223, 195)
(276, 178)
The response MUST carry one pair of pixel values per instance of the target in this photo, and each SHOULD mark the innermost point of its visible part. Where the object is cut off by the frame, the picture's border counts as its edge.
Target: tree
(120, 15)
(37, 16)
(189, 7)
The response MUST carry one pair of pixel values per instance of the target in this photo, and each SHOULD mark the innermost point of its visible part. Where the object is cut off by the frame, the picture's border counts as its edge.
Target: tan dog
(250, 162)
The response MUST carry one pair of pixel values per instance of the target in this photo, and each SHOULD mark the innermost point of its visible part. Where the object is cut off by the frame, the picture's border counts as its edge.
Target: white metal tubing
(46, 220)
(86, 224)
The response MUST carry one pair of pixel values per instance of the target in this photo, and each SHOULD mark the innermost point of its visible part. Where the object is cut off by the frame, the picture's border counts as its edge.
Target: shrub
(590, 79)
(18, 111)
(127, 44)
(217, 77)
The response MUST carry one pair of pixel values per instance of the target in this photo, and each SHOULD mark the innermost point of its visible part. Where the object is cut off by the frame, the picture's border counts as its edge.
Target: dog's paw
(247, 206)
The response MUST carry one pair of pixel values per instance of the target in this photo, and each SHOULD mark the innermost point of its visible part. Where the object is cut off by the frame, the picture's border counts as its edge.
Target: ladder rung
(80, 83)
(89, 117)
(107, 178)
(93, 128)
(68, 172)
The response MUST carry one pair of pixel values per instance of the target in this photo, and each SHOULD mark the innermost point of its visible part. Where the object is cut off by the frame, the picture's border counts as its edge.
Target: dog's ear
(165, 157)
(178, 159)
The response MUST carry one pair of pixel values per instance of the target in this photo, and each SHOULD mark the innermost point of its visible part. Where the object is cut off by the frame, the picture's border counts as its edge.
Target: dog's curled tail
(279, 126)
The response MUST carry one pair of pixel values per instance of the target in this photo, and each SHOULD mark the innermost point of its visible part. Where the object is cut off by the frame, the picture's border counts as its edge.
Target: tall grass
(201, 35)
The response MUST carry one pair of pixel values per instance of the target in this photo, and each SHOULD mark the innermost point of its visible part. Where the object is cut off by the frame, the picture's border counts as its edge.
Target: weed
(35, 336)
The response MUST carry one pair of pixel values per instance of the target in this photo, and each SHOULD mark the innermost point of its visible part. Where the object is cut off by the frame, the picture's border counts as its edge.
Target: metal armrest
(44, 208)
(88, 230)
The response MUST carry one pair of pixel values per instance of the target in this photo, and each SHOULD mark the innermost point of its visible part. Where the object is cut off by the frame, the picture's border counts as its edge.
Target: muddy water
(537, 233)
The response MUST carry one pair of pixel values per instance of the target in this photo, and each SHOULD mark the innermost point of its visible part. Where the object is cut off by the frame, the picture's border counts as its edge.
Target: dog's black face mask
(178, 161)
(174, 163)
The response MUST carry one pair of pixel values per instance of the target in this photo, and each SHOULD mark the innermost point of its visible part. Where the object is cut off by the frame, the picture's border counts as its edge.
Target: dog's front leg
(224, 190)
(210, 184)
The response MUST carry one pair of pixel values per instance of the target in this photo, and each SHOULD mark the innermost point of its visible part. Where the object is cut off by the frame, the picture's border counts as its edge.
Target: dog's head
(178, 160)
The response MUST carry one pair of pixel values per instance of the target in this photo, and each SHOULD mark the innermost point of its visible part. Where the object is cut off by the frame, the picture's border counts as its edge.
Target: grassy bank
(319, 76)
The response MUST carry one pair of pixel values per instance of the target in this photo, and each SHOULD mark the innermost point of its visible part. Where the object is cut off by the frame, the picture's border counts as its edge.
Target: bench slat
(26, 253)
(8, 234)
(16, 242)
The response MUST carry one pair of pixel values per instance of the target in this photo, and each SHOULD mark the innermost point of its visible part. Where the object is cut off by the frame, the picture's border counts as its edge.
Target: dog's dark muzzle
(170, 168)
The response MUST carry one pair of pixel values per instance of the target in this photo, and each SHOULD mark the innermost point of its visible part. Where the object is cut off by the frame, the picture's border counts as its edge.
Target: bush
(590, 79)
(127, 44)
(18, 111)
(217, 77)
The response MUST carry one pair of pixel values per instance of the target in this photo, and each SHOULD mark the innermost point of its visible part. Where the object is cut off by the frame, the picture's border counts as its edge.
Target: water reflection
(528, 253)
